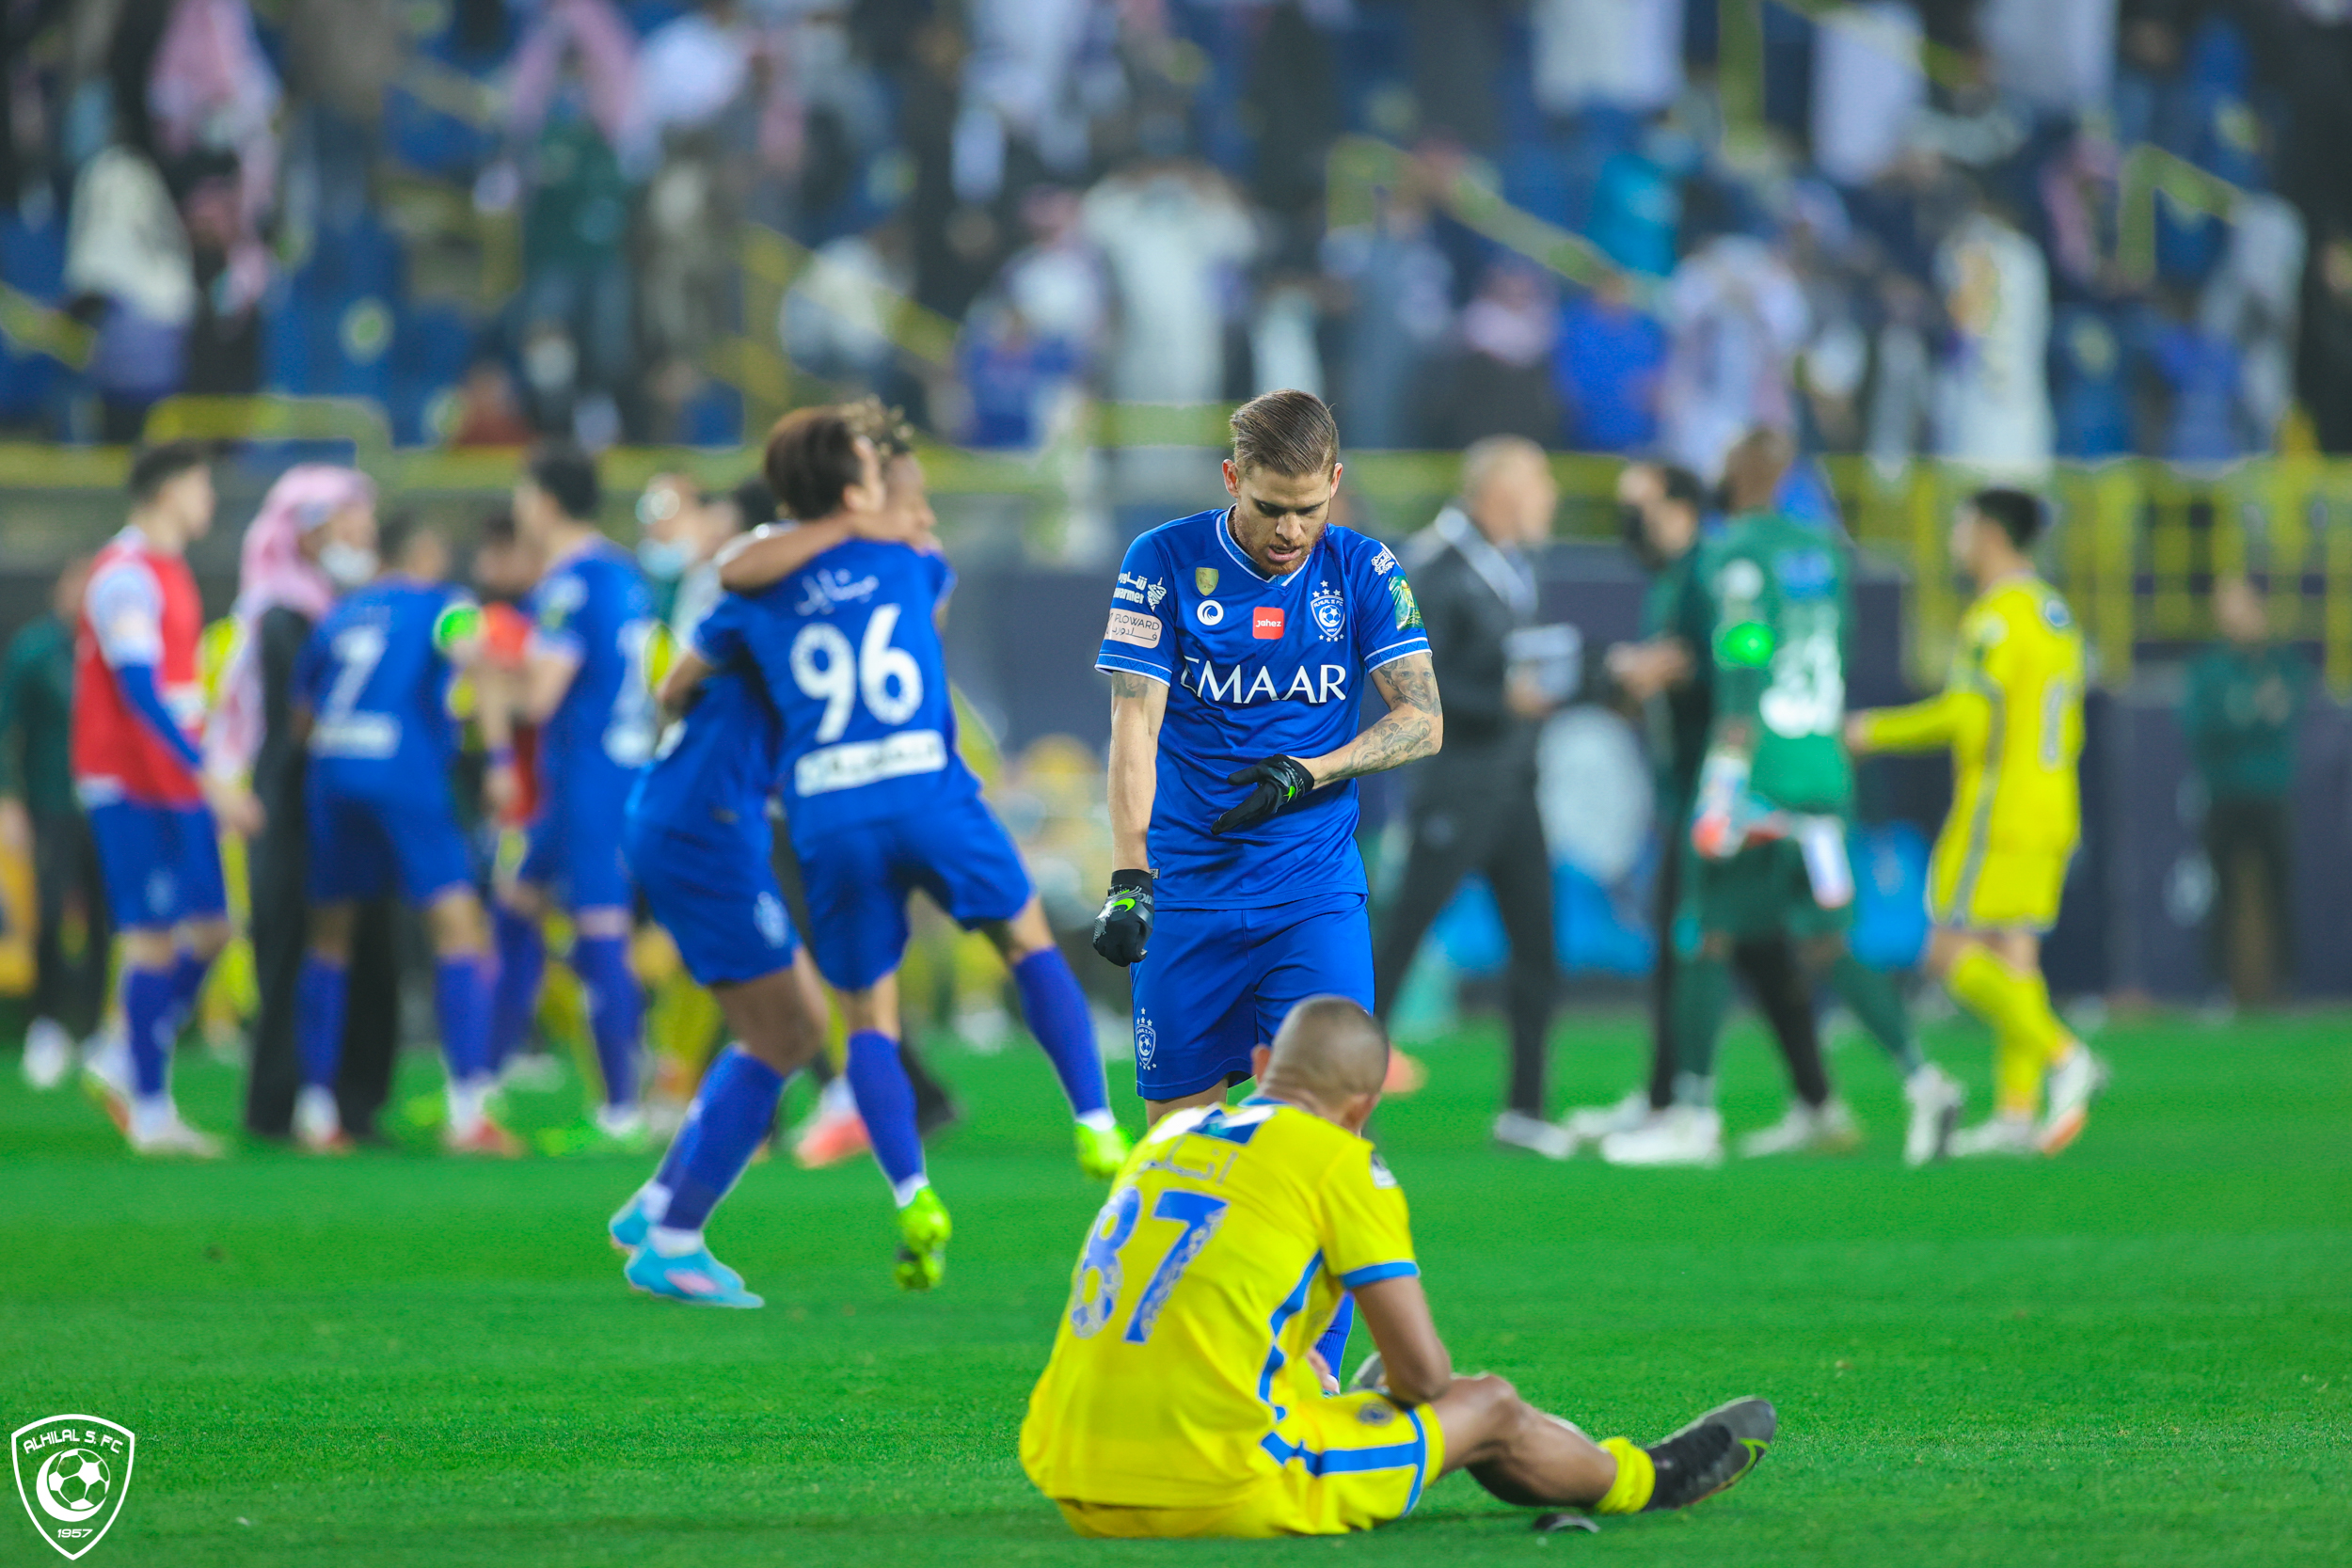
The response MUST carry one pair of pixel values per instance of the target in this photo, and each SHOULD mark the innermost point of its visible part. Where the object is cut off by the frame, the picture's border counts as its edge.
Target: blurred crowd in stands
(1897, 227)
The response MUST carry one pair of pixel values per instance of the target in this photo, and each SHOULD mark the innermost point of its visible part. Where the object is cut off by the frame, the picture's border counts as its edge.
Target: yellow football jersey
(2011, 714)
(1180, 1376)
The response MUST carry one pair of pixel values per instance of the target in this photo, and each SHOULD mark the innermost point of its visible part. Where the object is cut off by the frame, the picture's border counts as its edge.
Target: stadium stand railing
(2135, 547)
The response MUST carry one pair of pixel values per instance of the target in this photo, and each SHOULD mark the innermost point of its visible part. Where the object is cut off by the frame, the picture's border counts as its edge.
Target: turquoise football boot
(628, 1228)
(696, 1277)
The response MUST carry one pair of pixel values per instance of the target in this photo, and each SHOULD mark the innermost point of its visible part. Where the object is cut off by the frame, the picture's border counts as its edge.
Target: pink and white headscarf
(272, 574)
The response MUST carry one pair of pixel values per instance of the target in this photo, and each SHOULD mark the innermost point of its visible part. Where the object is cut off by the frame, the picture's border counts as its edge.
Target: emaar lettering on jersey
(1326, 684)
(1257, 667)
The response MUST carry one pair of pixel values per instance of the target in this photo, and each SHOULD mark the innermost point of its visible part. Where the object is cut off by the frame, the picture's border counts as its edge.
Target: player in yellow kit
(2011, 714)
(1183, 1396)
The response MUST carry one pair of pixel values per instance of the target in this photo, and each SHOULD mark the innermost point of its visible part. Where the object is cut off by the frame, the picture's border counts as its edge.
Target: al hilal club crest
(73, 1473)
(1330, 611)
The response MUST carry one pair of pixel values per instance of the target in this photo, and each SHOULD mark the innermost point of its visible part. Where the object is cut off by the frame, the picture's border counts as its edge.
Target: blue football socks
(1056, 1011)
(729, 1117)
(147, 1021)
(522, 963)
(320, 998)
(885, 1102)
(616, 1008)
(187, 979)
(461, 1001)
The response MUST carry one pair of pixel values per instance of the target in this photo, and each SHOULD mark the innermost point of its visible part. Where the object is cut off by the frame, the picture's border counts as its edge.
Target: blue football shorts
(717, 897)
(362, 845)
(858, 879)
(161, 864)
(573, 850)
(1218, 982)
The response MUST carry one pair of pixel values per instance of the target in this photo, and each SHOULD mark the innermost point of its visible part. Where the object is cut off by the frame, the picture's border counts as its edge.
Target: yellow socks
(1637, 1477)
(2026, 1033)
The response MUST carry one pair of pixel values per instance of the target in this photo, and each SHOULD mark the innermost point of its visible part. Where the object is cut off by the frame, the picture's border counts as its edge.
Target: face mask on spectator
(664, 559)
(346, 565)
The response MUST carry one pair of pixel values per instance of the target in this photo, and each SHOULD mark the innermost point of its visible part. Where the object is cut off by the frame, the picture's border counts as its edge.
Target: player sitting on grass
(372, 689)
(1183, 1398)
(2011, 714)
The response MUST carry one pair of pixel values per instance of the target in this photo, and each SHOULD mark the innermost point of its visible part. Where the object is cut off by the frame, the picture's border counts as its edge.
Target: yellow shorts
(1995, 889)
(1352, 1463)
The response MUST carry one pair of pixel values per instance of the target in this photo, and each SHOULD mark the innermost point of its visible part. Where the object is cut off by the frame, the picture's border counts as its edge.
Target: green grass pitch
(2138, 1354)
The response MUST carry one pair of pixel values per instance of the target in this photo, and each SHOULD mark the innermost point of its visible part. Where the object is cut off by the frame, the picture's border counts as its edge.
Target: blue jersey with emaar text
(1256, 667)
(378, 689)
(593, 607)
(850, 653)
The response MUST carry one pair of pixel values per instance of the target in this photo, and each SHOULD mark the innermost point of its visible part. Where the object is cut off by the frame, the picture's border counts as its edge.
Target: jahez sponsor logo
(1265, 622)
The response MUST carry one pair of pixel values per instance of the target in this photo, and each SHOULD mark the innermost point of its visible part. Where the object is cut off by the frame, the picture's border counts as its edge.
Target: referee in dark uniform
(1473, 804)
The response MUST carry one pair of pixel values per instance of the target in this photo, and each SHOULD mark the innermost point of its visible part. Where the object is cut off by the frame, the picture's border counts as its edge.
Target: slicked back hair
(1287, 431)
(2018, 513)
(567, 476)
(811, 460)
(158, 465)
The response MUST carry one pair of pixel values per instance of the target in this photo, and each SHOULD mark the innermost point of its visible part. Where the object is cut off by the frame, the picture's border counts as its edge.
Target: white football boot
(2070, 1087)
(1517, 1130)
(1682, 1135)
(157, 1133)
(1935, 1098)
(1996, 1135)
(48, 1053)
(1829, 1129)
(1596, 1122)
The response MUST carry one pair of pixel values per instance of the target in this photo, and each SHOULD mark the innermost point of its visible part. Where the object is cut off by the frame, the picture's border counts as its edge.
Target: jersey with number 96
(1775, 610)
(850, 653)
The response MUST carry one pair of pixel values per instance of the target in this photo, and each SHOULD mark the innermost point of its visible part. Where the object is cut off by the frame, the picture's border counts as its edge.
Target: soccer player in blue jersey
(697, 838)
(583, 682)
(373, 687)
(877, 800)
(1238, 646)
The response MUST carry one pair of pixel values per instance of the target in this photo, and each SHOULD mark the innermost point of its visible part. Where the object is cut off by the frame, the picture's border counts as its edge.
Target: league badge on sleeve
(71, 1473)
(1408, 609)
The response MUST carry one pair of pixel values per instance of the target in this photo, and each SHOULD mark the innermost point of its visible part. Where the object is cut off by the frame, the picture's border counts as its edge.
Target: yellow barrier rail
(2135, 542)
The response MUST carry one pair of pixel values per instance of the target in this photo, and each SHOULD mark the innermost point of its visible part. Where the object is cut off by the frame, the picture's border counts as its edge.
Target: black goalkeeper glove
(1278, 780)
(1122, 931)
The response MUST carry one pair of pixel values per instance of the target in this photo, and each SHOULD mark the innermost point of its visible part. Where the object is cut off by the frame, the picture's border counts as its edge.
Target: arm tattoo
(1124, 685)
(1410, 729)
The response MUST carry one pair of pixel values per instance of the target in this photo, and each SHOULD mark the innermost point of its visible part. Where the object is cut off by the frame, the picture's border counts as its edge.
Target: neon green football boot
(923, 1231)
(1101, 1150)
